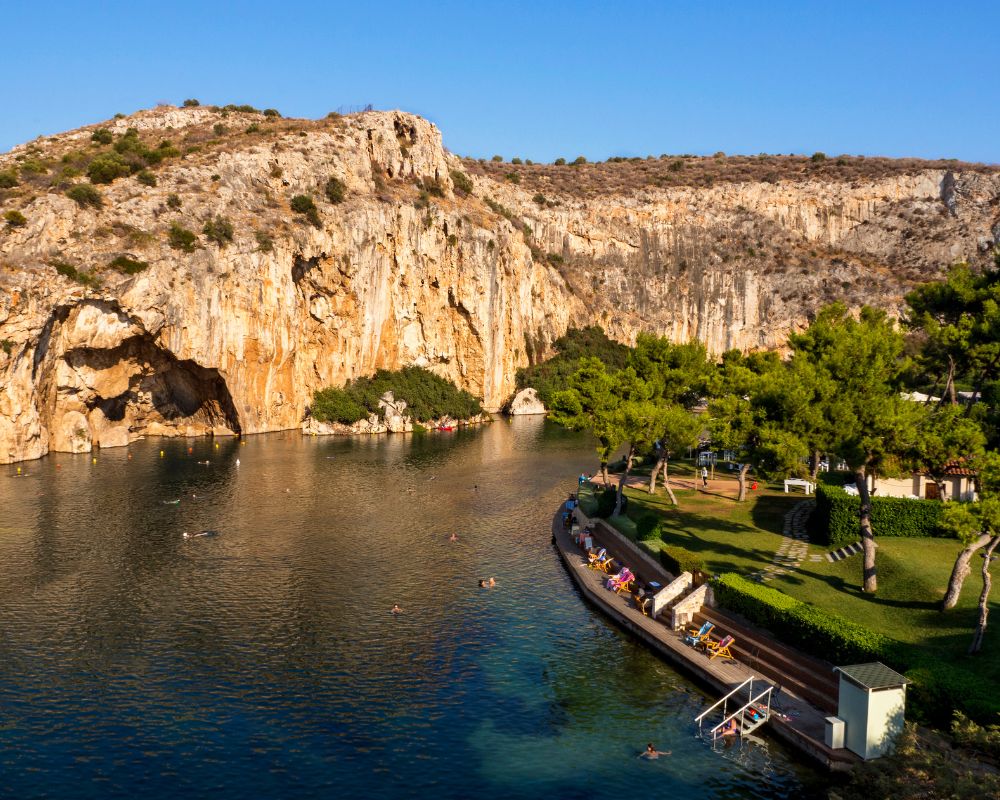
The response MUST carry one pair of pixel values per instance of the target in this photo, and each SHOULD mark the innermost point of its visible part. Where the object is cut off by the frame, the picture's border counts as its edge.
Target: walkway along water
(800, 724)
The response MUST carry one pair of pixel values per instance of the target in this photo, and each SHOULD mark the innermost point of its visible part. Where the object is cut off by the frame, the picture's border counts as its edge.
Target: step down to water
(845, 552)
(749, 714)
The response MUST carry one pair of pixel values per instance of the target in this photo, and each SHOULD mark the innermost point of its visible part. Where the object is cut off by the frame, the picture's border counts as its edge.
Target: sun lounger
(720, 648)
(699, 636)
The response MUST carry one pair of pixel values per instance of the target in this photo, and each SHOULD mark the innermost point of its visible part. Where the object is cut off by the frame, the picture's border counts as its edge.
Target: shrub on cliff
(428, 397)
(83, 194)
(180, 238)
(102, 136)
(106, 167)
(551, 376)
(191, 103)
(128, 266)
(8, 178)
(15, 219)
(335, 190)
(173, 201)
(461, 181)
(218, 230)
(303, 204)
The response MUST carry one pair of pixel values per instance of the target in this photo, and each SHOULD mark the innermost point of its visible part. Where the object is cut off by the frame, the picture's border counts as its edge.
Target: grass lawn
(913, 574)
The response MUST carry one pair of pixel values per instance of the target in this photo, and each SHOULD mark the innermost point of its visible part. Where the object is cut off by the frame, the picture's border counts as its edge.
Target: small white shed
(872, 704)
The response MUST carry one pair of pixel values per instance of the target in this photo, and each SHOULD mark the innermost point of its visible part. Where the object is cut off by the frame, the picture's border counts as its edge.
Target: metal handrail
(715, 705)
(739, 712)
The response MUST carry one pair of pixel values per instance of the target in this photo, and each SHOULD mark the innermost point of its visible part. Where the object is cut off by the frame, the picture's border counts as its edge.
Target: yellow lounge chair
(623, 586)
(608, 566)
(720, 648)
(700, 636)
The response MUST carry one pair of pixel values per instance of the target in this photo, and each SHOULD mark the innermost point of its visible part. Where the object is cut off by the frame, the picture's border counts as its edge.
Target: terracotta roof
(958, 468)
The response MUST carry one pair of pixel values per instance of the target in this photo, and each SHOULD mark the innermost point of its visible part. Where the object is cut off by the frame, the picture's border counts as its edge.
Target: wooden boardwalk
(800, 724)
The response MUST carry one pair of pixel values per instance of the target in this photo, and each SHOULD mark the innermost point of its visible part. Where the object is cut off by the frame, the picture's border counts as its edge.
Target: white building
(872, 706)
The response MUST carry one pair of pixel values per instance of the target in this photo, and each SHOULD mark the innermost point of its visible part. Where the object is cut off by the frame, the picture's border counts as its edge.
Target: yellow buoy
(18, 470)
(161, 454)
(93, 460)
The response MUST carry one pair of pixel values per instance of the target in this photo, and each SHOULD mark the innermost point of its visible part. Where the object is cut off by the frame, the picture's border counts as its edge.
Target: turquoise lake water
(263, 662)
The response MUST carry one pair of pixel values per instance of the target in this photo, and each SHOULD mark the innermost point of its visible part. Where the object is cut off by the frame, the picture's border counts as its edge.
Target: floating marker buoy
(93, 460)
(216, 445)
(161, 454)
(190, 450)
(237, 462)
(129, 456)
(18, 470)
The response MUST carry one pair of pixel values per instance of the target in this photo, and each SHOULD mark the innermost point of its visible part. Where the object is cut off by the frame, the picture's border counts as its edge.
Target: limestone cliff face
(405, 270)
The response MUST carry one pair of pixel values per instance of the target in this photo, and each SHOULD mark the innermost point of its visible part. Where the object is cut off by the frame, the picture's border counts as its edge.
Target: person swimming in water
(482, 583)
(395, 609)
(652, 752)
(493, 582)
(453, 537)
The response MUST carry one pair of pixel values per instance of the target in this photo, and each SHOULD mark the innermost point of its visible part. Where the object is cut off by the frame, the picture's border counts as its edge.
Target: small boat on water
(446, 427)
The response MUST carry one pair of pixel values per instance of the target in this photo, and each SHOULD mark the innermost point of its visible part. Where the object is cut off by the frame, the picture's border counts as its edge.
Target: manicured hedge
(804, 626)
(677, 560)
(834, 522)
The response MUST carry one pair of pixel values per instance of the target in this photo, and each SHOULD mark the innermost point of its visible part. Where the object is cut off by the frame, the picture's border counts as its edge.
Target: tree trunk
(624, 478)
(961, 571)
(744, 469)
(949, 389)
(870, 581)
(984, 609)
(814, 470)
(604, 472)
(660, 462)
(666, 482)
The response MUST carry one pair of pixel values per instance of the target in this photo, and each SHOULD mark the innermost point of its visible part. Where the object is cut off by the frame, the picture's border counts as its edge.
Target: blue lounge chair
(700, 636)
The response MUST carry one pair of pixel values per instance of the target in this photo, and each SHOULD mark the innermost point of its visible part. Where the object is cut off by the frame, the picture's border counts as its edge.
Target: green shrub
(817, 157)
(676, 560)
(15, 219)
(146, 178)
(335, 190)
(83, 194)
(8, 178)
(271, 112)
(497, 159)
(218, 129)
(173, 201)
(304, 205)
(102, 136)
(253, 128)
(428, 397)
(264, 241)
(71, 272)
(539, 199)
(191, 103)
(552, 375)
(515, 160)
(218, 230)
(579, 161)
(34, 166)
(985, 739)
(817, 632)
(128, 265)
(606, 503)
(512, 177)
(107, 167)
(7, 345)
(834, 521)
(180, 238)
(461, 181)
(560, 162)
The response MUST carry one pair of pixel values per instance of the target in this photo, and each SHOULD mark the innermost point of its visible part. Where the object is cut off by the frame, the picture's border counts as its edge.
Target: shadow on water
(262, 661)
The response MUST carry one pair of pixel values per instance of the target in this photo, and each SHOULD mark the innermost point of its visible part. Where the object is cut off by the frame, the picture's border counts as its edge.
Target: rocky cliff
(113, 325)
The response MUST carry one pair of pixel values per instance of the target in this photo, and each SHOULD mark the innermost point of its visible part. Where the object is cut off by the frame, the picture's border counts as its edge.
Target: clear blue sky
(537, 79)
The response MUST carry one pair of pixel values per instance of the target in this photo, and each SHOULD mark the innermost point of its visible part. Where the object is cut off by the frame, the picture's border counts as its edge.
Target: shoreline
(801, 732)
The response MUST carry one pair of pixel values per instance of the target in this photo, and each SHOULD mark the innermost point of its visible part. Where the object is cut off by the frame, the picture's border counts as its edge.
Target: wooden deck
(801, 725)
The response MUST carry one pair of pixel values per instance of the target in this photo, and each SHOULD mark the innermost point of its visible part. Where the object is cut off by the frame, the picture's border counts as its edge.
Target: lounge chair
(595, 557)
(699, 636)
(622, 581)
(720, 648)
(609, 566)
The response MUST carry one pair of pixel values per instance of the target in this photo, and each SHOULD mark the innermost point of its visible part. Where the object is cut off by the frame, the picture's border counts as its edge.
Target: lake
(263, 660)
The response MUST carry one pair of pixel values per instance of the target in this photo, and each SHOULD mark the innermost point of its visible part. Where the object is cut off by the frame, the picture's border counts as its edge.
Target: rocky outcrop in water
(234, 336)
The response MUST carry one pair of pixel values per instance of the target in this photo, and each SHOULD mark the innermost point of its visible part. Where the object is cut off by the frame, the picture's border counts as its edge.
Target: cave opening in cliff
(140, 384)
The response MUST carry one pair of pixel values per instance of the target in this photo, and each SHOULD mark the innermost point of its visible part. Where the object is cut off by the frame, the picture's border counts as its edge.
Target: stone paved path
(794, 546)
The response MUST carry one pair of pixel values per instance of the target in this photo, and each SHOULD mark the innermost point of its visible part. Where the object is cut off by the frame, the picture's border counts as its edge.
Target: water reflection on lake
(263, 661)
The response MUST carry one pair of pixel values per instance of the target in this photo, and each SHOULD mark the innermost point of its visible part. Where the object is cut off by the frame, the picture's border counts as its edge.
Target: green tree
(977, 525)
(871, 425)
(218, 230)
(589, 403)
